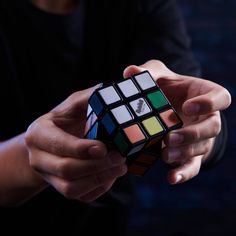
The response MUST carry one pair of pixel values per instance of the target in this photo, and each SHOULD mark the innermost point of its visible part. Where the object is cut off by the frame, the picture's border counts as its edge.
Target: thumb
(77, 101)
(155, 67)
(131, 70)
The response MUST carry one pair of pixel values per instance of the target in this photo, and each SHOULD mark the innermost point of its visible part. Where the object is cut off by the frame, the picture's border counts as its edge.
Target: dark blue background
(205, 205)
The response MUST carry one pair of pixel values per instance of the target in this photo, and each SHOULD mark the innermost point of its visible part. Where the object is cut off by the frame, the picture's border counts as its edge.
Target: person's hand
(78, 168)
(198, 103)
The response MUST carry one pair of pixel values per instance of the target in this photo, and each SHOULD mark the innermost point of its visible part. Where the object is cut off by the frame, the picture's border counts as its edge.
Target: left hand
(198, 103)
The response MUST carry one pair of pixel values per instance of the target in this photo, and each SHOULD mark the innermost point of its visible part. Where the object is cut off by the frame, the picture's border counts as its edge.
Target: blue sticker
(96, 104)
(93, 133)
(108, 123)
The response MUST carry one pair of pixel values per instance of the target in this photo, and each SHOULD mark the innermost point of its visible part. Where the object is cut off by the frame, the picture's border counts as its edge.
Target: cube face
(132, 115)
(140, 107)
(145, 81)
(134, 133)
(158, 100)
(122, 114)
(153, 126)
(109, 95)
(128, 88)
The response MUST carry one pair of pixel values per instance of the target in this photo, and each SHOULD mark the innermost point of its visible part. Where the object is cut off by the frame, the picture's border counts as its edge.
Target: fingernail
(175, 139)
(192, 109)
(178, 178)
(173, 154)
(96, 151)
(116, 159)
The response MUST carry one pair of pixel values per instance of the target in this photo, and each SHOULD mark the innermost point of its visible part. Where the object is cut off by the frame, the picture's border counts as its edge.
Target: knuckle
(74, 96)
(29, 134)
(63, 168)
(157, 63)
(192, 169)
(32, 162)
(190, 151)
(210, 103)
(195, 134)
(195, 168)
(33, 129)
(216, 125)
(207, 147)
(67, 190)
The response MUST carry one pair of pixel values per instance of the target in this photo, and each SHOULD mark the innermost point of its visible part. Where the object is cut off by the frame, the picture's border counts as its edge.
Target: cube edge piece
(141, 90)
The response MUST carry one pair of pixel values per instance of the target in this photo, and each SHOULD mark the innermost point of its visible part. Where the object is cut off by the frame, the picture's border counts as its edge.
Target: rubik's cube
(132, 115)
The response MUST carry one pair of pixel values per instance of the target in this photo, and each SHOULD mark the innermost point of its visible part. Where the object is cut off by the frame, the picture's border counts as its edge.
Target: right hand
(78, 168)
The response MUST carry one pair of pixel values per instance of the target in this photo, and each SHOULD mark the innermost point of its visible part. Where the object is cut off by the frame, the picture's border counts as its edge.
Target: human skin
(198, 102)
(53, 152)
(56, 6)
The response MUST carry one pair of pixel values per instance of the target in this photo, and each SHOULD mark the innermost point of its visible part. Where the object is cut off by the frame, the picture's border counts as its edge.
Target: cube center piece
(132, 115)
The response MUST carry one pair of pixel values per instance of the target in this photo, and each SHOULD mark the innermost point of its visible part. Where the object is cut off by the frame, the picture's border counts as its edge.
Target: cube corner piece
(132, 115)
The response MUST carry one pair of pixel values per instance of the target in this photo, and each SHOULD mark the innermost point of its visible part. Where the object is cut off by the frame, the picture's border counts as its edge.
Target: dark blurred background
(205, 205)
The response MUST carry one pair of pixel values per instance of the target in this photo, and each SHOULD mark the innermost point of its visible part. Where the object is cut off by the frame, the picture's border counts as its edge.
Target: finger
(155, 67)
(54, 140)
(78, 101)
(75, 189)
(205, 129)
(185, 172)
(183, 154)
(70, 168)
(218, 98)
(90, 197)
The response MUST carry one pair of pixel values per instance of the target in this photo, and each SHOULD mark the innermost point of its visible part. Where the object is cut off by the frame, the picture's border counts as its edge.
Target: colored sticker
(93, 133)
(121, 143)
(109, 95)
(157, 99)
(134, 134)
(122, 114)
(145, 81)
(96, 104)
(108, 123)
(140, 107)
(89, 110)
(170, 118)
(91, 120)
(128, 88)
(152, 126)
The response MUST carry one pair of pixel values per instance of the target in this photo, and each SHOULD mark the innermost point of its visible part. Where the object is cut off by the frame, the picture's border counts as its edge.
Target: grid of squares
(133, 115)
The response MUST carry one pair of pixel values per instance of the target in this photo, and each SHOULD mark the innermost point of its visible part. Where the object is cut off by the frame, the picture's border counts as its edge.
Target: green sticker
(157, 99)
(121, 143)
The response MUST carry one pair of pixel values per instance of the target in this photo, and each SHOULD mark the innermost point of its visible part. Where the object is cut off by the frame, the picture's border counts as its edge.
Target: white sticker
(140, 107)
(109, 95)
(128, 88)
(89, 110)
(145, 81)
(122, 114)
